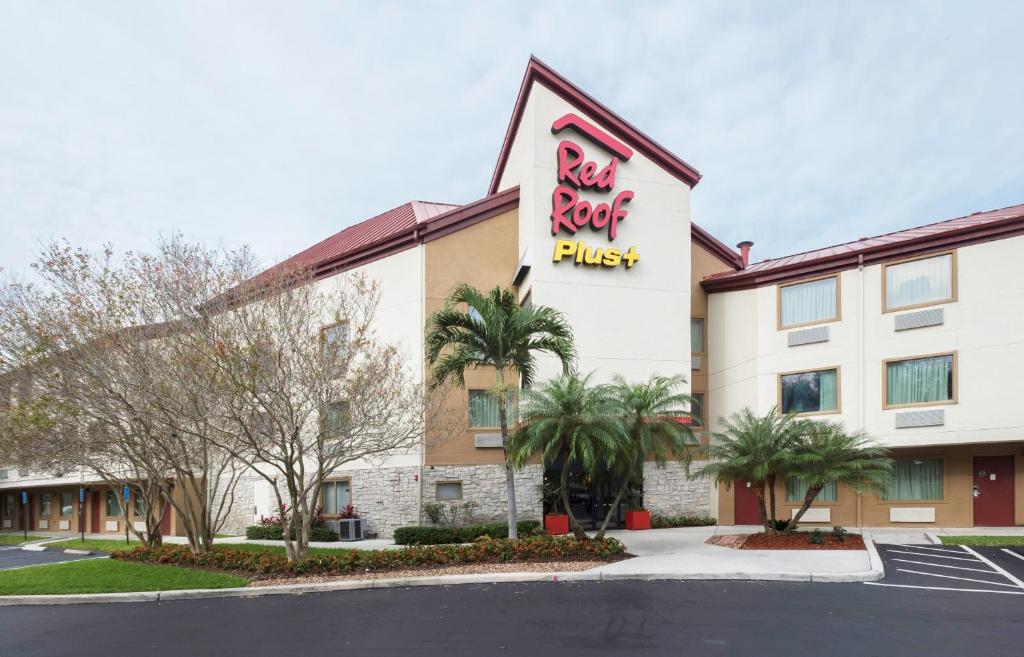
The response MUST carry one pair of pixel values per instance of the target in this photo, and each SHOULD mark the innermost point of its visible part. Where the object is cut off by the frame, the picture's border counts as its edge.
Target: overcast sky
(277, 124)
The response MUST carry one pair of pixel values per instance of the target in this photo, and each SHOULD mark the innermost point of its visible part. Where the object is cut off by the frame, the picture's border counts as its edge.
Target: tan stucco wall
(483, 255)
(702, 265)
(956, 509)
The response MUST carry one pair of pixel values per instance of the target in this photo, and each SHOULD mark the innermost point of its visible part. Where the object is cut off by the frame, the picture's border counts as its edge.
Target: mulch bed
(794, 541)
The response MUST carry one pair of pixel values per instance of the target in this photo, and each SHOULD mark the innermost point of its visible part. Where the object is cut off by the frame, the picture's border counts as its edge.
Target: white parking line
(942, 565)
(1013, 554)
(943, 588)
(998, 569)
(930, 556)
(925, 547)
(963, 579)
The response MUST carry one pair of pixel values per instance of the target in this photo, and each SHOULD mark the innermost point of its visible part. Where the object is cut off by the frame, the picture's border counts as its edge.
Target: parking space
(953, 568)
(14, 557)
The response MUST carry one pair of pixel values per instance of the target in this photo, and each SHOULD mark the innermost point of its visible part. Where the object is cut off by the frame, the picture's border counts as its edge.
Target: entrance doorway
(591, 495)
(993, 491)
(747, 510)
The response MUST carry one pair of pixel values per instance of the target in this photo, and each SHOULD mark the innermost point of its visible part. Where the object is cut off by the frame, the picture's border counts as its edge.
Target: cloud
(277, 125)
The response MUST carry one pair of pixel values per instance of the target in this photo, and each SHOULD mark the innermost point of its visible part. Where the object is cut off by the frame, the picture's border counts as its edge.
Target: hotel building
(914, 336)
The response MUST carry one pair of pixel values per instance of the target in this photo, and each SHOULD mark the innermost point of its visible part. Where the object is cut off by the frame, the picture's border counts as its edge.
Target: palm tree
(757, 449)
(651, 413)
(827, 452)
(569, 420)
(494, 331)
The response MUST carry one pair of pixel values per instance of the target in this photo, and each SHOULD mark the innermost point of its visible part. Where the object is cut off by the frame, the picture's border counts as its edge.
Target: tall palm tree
(476, 330)
(651, 413)
(569, 420)
(758, 449)
(827, 452)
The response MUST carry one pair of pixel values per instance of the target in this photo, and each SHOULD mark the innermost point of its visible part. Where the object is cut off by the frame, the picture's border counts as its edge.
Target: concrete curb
(934, 538)
(876, 572)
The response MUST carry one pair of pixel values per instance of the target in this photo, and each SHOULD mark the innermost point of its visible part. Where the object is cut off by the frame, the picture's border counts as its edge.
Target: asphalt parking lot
(953, 568)
(15, 557)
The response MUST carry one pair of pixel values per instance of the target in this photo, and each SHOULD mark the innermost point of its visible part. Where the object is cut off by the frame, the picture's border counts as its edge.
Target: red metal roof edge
(537, 70)
(962, 236)
(715, 246)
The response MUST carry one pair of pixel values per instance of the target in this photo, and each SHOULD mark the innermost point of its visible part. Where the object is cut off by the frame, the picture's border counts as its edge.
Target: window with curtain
(796, 489)
(919, 380)
(449, 490)
(45, 505)
(113, 508)
(483, 410)
(697, 335)
(809, 392)
(336, 495)
(338, 419)
(139, 505)
(335, 337)
(924, 281)
(697, 408)
(66, 504)
(806, 303)
(915, 479)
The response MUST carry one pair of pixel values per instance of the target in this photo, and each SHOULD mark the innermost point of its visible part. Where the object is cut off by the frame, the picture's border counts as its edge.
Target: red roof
(971, 229)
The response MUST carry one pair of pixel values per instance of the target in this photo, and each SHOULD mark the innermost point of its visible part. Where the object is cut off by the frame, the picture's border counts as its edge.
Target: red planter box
(638, 520)
(556, 524)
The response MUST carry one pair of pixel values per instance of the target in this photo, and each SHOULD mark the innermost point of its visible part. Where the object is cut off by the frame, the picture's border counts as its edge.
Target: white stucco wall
(634, 322)
(983, 326)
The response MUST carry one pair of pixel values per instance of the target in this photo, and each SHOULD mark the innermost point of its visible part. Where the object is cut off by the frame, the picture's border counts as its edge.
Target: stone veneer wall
(388, 498)
(485, 484)
(669, 492)
(243, 508)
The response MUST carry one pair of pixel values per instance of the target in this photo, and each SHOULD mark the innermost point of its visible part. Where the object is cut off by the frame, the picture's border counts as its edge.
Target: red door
(95, 516)
(747, 510)
(165, 521)
(993, 491)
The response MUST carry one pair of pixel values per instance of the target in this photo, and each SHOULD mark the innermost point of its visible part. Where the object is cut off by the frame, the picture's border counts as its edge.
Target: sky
(278, 124)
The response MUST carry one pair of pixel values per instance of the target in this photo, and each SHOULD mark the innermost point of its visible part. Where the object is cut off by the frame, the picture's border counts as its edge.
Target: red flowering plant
(348, 512)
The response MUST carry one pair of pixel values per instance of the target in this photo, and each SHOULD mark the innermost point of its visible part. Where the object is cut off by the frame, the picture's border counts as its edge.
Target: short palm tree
(569, 420)
(654, 414)
(757, 449)
(476, 330)
(827, 452)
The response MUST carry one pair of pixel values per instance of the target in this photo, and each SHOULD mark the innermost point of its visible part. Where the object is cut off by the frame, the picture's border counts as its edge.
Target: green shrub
(817, 537)
(446, 535)
(276, 533)
(531, 548)
(666, 522)
(839, 533)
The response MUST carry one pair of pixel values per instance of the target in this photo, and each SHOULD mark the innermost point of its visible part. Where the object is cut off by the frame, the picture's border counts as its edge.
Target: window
(66, 504)
(113, 508)
(3, 474)
(920, 282)
(45, 505)
(336, 495)
(922, 381)
(11, 508)
(809, 392)
(334, 338)
(697, 408)
(811, 302)
(796, 489)
(697, 335)
(474, 314)
(449, 490)
(483, 410)
(915, 479)
(22, 472)
(338, 419)
(139, 505)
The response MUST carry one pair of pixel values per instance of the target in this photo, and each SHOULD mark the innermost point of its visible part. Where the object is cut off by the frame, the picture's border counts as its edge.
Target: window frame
(49, 502)
(117, 502)
(703, 335)
(348, 337)
(325, 423)
(818, 502)
(953, 286)
(437, 487)
(920, 457)
(510, 411)
(839, 306)
(335, 481)
(885, 381)
(839, 390)
(61, 502)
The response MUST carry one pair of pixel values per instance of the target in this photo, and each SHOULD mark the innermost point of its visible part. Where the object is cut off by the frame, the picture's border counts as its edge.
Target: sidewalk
(684, 554)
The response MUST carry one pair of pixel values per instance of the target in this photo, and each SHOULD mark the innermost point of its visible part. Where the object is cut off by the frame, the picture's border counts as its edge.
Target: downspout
(423, 373)
(862, 375)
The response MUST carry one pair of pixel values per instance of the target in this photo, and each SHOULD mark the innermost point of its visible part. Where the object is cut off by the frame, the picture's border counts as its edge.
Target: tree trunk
(611, 510)
(758, 489)
(577, 528)
(510, 480)
(809, 497)
(770, 484)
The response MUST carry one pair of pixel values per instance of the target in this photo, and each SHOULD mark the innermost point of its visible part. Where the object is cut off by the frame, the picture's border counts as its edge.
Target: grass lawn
(15, 539)
(109, 576)
(984, 541)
